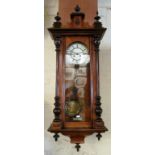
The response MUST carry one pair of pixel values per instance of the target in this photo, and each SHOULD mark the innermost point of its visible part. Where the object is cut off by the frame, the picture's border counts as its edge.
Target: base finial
(99, 136)
(56, 136)
(77, 146)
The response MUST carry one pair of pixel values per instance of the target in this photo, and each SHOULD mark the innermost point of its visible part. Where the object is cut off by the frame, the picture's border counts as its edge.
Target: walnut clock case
(77, 102)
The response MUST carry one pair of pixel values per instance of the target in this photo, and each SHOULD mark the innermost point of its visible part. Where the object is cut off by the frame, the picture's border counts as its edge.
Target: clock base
(77, 135)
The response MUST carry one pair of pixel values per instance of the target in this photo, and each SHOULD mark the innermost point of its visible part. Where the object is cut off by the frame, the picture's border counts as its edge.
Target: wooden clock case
(90, 35)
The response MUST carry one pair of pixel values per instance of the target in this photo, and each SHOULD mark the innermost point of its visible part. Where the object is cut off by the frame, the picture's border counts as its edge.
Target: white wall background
(91, 146)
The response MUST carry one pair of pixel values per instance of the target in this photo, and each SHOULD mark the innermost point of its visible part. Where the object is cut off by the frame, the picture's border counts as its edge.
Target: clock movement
(77, 103)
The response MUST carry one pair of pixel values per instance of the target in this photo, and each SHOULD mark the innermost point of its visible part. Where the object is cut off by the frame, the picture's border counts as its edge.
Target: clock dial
(77, 53)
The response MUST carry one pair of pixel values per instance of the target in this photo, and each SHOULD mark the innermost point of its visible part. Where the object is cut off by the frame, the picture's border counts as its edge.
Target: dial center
(77, 51)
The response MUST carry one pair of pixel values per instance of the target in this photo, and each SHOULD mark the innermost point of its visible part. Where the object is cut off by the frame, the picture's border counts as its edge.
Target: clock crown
(77, 13)
(77, 8)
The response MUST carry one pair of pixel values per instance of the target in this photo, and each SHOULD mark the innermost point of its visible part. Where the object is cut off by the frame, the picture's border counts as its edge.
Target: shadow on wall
(48, 115)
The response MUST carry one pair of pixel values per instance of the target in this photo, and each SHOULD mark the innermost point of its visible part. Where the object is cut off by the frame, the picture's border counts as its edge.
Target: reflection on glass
(77, 99)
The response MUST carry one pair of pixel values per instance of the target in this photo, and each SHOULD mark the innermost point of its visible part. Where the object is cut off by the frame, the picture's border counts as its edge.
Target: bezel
(77, 53)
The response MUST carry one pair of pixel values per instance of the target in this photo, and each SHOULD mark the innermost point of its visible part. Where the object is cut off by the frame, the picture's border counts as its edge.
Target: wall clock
(77, 102)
